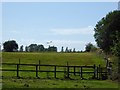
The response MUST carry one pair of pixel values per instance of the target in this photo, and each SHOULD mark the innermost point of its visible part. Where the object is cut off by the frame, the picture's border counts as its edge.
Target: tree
(32, 48)
(70, 50)
(52, 49)
(107, 36)
(93, 48)
(74, 50)
(26, 49)
(21, 48)
(66, 50)
(62, 50)
(10, 46)
(88, 47)
(40, 48)
(107, 33)
(0, 48)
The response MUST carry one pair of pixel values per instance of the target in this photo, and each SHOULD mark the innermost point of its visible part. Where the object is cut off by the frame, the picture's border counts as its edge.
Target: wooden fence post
(94, 71)
(36, 70)
(67, 70)
(17, 70)
(106, 72)
(74, 71)
(99, 71)
(55, 72)
(39, 65)
(81, 73)
(47, 72)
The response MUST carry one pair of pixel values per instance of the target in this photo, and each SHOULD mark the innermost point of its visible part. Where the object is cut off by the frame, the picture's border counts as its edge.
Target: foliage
(115, 68)
(66, 50)
(52, 49)
(62, 50)
(26, 49)
(10, 46)
(32, 47)
(90, 47)
(107, 33)
(21, 48)
(40, 48)
(74, 50)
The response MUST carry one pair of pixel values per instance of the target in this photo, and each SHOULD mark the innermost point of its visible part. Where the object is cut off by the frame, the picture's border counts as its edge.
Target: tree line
(12, 46)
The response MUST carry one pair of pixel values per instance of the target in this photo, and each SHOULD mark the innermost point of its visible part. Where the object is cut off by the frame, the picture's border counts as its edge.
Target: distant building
(119, 5)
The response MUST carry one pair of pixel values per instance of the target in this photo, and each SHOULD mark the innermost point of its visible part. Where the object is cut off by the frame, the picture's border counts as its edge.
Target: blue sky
(64, 23)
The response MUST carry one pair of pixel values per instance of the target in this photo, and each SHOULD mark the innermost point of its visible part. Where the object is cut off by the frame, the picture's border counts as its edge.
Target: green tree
(10, 46)
(52, 49)
(26, 49)
(40, 48)
(0, 48)
(62, 50)
(107, 36)
(70, 50)
(66, 50)
(74, 50)
(107, 33)
(32, 48)
(21, 48)
(88, 47)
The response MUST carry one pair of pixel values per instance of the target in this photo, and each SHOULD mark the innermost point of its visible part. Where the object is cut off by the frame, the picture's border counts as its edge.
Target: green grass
(48, 58)
(51, 58)
(57, 83)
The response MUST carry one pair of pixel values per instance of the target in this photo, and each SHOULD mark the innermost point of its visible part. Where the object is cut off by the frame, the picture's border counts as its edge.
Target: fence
(98, 72)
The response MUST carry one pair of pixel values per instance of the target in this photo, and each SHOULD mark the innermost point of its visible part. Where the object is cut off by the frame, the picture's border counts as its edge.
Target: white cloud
(76, 31)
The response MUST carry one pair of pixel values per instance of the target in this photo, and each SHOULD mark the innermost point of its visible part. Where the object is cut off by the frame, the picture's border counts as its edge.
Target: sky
(67, 24)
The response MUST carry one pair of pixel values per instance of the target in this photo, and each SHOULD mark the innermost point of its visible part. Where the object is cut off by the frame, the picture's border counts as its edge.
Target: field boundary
(98, 72)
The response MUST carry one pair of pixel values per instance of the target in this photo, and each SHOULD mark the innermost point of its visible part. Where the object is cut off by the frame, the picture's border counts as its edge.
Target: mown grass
(53, 58)
(57, 83)
(29, 80)
(48, 58)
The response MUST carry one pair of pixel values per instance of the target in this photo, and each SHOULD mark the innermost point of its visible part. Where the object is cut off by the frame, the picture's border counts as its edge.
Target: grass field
(51, 58)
